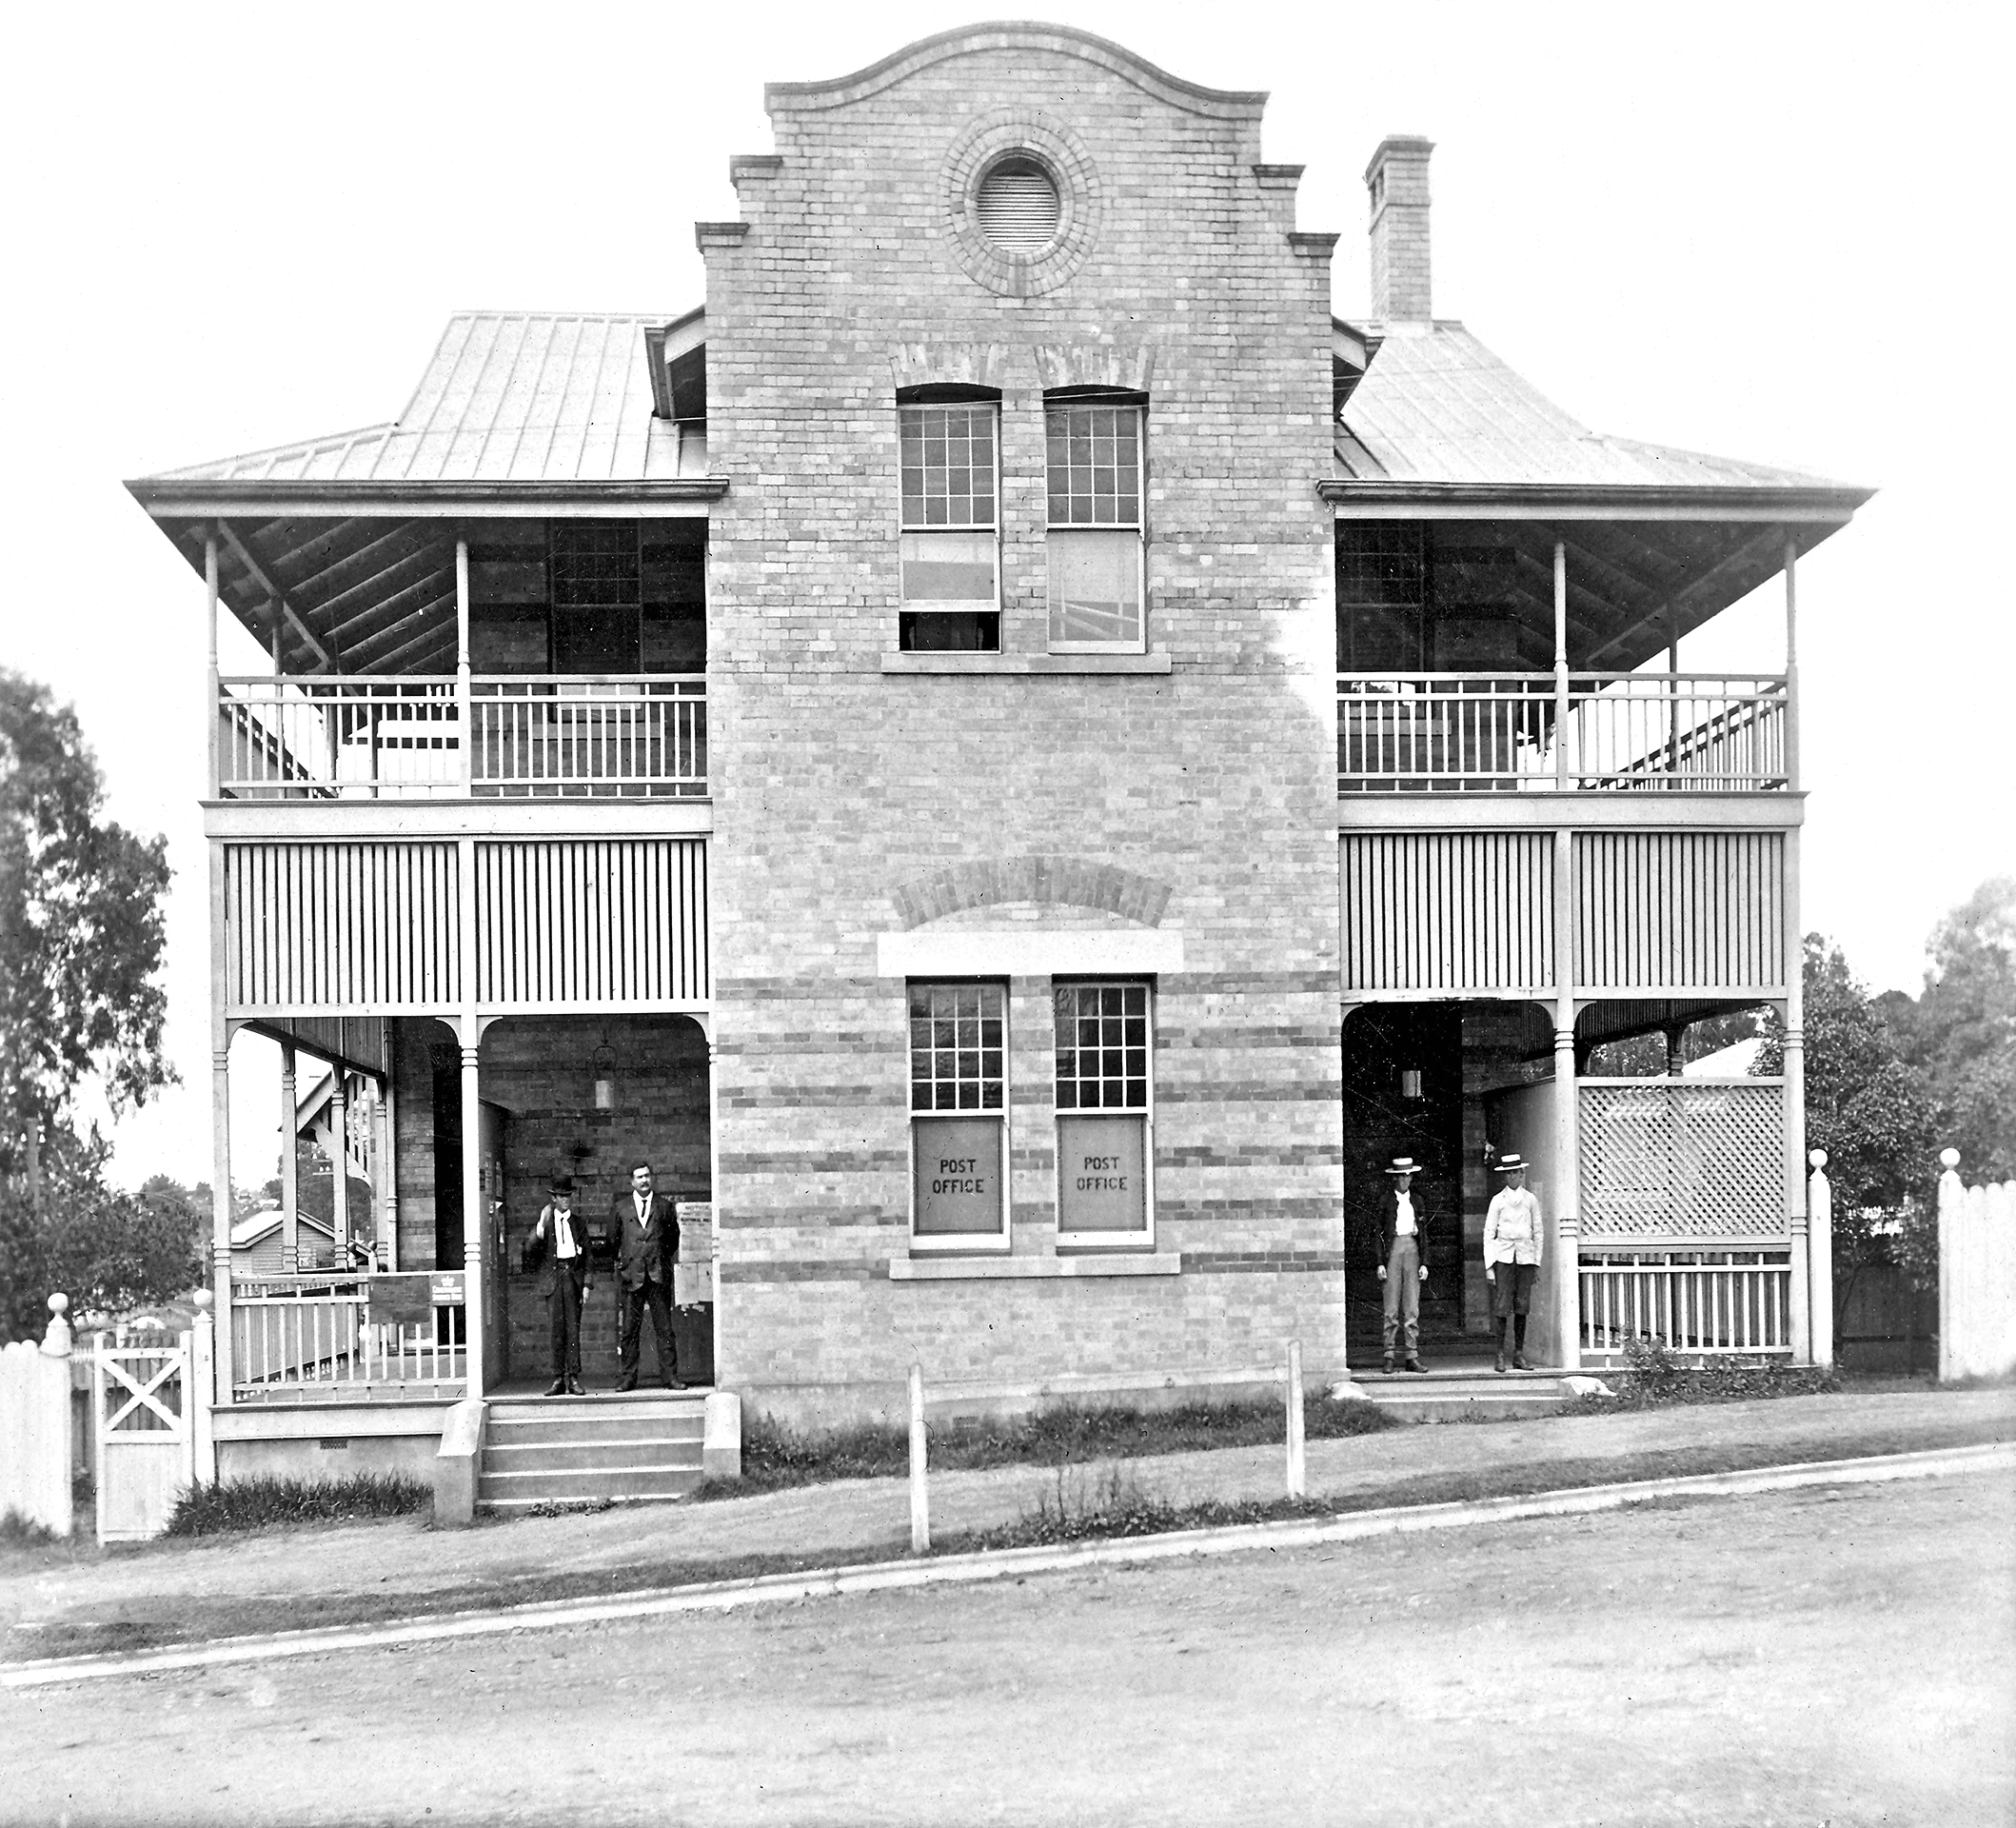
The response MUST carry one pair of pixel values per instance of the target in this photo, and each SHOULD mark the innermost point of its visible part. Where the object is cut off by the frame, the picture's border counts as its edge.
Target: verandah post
(1568, 1116)
(1561, 774)
(290, 1181)
(213, 708)
(220, 1133)
(464, 689)
(919, 1493)
(340, 1165)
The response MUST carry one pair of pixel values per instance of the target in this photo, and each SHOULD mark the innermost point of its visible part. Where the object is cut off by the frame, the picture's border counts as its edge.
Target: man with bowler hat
(646, 1247)
(558, 1248)
(1402, 1270)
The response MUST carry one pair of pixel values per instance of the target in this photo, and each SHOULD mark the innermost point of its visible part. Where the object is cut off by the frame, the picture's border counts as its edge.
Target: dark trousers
(563, 1307)
(657, 1297)
(1511, 1291)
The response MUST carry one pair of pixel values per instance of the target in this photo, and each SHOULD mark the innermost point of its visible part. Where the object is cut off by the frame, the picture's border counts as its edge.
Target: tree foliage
(1869, 1108)
(81, 925)
(1961, 1032)
(105, 1249)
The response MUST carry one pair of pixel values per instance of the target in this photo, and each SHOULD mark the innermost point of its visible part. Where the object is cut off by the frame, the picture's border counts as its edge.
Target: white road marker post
(920, 1494)
(1298, 1471)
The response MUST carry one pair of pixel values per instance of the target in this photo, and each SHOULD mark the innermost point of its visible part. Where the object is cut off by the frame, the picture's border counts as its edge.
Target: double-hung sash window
(1095, 526)
(1105, 1115)
(958, 1116)
(950, 530)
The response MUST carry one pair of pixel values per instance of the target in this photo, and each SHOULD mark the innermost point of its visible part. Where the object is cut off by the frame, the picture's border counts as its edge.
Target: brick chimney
(1397, 180)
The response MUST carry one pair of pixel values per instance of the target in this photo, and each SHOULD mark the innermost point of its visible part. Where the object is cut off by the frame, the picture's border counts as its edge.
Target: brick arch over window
(1075, 882)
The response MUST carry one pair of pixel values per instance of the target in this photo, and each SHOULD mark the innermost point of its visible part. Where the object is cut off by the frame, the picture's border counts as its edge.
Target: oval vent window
(1017, 205)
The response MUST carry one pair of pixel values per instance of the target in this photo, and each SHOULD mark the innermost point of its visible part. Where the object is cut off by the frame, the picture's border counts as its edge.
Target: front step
(1464, 1395)
(591, 1450)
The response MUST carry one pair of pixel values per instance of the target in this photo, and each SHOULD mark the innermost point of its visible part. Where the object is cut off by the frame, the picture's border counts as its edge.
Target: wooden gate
(146, 1403)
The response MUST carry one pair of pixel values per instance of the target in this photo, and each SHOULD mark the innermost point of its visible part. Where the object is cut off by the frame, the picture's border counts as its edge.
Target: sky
(1774, 231)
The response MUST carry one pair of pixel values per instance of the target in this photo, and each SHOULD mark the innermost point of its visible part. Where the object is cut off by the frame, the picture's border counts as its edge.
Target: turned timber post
(213, 708)
(289, 1172)
(1568, 1116)
(220, 1136)
(340, 1165)
(1561, 695)
(464, 689)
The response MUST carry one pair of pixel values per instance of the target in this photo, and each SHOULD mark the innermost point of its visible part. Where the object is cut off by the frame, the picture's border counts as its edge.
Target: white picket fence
(150, 1426)
(35, 1426)
(1977, 1275)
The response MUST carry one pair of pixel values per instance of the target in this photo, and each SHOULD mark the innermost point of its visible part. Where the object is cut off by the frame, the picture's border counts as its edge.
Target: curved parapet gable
(839, 91)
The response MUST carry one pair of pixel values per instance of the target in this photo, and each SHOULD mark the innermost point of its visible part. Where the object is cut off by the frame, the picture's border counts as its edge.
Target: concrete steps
(1465, 1394)
(579, 1450)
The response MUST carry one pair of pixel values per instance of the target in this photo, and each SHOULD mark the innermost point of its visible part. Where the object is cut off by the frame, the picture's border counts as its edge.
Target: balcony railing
(400, 738)
(1504, 733)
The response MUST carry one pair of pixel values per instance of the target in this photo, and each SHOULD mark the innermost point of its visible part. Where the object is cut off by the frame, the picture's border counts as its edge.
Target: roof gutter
(1832, 506)
(175, 499)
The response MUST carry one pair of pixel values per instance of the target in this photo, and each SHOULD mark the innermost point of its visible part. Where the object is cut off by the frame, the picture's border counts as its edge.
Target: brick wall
(838, 788)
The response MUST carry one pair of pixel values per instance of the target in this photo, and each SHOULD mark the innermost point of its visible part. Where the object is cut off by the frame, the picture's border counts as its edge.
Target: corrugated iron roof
(509, 396)
(1438, 407)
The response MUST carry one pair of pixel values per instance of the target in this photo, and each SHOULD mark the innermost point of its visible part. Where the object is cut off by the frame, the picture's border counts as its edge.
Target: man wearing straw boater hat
(1403, 1271)
(1511, 1259)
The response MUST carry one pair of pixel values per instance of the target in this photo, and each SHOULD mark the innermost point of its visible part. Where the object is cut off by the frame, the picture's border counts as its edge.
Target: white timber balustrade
(1976, 1275)
(401, 737)
(1509, 732)
(301, 1336)
(639, 735)
(1714, 1302)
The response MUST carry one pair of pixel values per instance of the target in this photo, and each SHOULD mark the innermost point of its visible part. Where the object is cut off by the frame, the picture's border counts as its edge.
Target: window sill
(970, 662)
(975, 1269)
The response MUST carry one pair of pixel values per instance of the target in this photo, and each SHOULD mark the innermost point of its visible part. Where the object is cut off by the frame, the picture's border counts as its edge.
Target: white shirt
(564, 1245)
(1512, 1229)
(644, 1209)
(1403, 1224)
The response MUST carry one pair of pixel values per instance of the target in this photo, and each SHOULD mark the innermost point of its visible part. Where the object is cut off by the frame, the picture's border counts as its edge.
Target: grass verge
(776, 1459)
(1108, 1504)
(227, 1505)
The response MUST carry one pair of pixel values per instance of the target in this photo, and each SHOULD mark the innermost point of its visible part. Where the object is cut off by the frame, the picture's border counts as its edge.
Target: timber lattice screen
(1682, 1159)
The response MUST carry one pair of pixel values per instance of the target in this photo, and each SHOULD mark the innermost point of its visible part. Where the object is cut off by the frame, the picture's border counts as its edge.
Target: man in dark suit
(646, 1247)
(1401, 1226)
(558, 1248)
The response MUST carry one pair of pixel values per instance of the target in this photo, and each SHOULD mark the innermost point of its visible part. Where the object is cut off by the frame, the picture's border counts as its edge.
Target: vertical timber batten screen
(374, 929)
(1447, 912)
(1679, 909)
(355, 925)
(590, 921)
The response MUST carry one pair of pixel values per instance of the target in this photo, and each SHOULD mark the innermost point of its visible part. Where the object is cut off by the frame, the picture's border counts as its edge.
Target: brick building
(1017, 760)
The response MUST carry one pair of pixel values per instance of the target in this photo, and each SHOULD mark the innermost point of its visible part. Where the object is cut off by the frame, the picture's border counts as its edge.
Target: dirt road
(1800, 1658)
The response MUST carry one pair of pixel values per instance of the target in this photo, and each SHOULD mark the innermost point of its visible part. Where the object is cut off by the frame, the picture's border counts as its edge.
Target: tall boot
(1503, 1345)
(1519, 1347)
